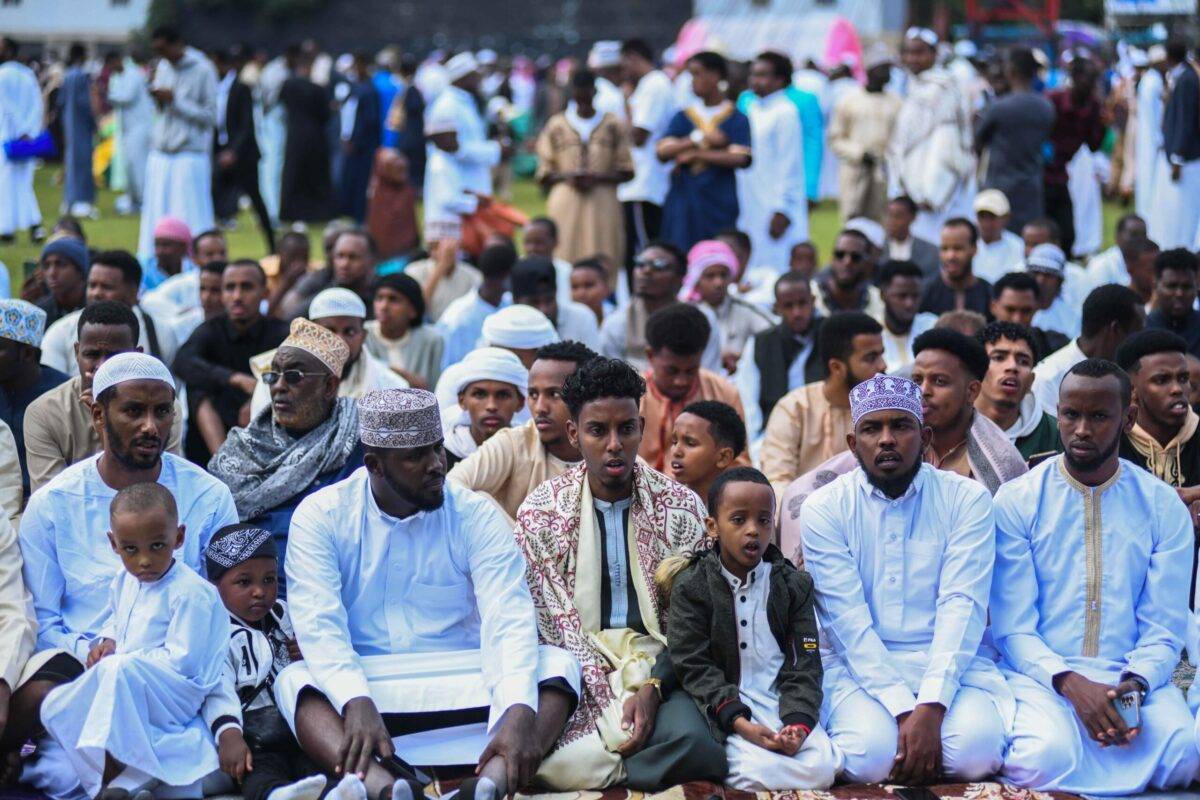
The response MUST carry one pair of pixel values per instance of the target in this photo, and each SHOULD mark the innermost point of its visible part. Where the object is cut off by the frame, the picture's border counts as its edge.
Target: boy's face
(695, 456)
(794, 305)
(588, 287)
(713, 285)
(744, 525)
(393, 310)
(674, 375)
(146, 542)
(250, 589)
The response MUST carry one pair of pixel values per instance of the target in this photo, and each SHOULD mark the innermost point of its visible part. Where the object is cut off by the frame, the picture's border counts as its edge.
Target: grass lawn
(112, 231)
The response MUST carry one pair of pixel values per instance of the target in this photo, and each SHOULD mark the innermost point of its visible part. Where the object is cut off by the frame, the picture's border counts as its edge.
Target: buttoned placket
(893, 524)
(399, 579)
(615, 557)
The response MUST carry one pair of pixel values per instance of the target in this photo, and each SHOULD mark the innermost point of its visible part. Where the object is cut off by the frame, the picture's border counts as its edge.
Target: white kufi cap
(130, 367)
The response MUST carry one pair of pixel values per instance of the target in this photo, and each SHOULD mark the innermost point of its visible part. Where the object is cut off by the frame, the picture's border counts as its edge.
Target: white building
(57, 23)
(871, 18)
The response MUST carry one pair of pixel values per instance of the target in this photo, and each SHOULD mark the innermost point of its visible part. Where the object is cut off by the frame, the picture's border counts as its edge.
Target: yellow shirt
(804, 430)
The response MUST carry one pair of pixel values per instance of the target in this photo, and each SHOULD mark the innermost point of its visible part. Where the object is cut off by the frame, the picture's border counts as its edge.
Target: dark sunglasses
(290, 376)
(840, 254)
(656, 264)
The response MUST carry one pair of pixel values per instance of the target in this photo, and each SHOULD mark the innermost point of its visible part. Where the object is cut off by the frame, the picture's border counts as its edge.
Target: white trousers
(1050, 750)
(18, 203)
(1175, 218)
(756, 769)
(865, 734)
(177, 185)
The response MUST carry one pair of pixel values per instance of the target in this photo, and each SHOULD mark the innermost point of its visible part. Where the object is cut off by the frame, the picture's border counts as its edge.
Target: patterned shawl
(264, 466)
(666, 518)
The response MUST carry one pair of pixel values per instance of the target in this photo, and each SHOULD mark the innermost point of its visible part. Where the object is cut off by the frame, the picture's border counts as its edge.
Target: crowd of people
(643, 495)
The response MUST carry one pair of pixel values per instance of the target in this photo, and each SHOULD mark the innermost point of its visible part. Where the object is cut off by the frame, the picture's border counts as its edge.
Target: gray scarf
(264, 466)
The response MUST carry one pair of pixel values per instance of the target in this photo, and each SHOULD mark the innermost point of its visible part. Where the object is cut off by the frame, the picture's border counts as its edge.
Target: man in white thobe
(901, 557)
(179, 168)
(930, 155)
(605, 60)
(1090, 603)
(129, 95)
(409, 600)
(1148, 139)
(771, 192)
(20, 117)
(1176, 218)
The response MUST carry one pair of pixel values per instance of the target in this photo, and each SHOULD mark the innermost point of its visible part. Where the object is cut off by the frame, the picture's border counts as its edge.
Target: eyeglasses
(838, 255)
(656, 264)
(290, 376)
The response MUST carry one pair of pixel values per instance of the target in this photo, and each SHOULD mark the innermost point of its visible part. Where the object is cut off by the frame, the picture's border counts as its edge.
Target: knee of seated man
(1040, 761)
(868, 754)
(704, 756)
(978, 751)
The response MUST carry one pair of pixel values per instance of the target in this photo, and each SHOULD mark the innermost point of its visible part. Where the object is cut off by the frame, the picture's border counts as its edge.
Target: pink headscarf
(702, 256)
(174, 229)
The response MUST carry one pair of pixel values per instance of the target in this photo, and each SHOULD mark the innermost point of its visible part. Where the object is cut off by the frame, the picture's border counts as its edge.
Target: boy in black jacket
(742, 636)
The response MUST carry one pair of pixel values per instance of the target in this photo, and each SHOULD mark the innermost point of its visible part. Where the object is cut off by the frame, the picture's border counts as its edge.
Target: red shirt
(1074, 127)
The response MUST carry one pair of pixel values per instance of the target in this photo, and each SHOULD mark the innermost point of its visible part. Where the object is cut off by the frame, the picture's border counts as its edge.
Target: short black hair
(167, 33)
(899, 269)
(1016, 281)
(1146, 343)
(726, 425)
(294, 236)
(251, 263)
(217, 232)
(838, 332)
(1102, 368)
(108, 312)
(141, 497)
(1053, 232)
(601, 378)
(792, 277)
(123, 260)
(734, 475)
(967, 350)
(1111, 302)
(594, 263)
(533, 275)
(406, 285)
(681, 328)
(713, 62)
(741, 237)
(546, 222)
(497, 259)
(1022, 62)
(583, 78)
(676, 254)
(1177, 49)
(995, 331)
(781, 65)
(361, 233)
(214, 267)
(637, 47)
(575, 352)
(963, 222)
(1125, 221)
(907, 202)
(1179, 259)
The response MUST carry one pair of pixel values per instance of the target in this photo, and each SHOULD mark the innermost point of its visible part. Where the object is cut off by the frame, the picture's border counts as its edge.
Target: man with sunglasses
(658, 273)
(845, 284)
(308, 439)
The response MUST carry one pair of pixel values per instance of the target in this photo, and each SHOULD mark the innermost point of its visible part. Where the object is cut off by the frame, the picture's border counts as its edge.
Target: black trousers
(643, 223)
(681, 749)
(228, 186)
(276, 767)
(1060, 209)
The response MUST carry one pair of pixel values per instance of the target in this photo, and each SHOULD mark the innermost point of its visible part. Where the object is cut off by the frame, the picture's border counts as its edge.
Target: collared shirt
(1094, 580)
(618, 597)
(651, 107)
(995, 259)
(362, 583)
(758, 649)
(804, 430)
(1050, 371)
(749, 381)
(905, 575)
(69, 563)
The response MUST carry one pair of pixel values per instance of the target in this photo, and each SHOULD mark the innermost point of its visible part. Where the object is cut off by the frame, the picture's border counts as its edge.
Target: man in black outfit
(235, 148)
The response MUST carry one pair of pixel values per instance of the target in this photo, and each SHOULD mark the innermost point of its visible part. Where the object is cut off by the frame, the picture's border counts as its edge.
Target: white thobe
(651, 107)
(128, 93)
(995, 259)
(143, 704)
(1148, 142)
(476, 155)
(898, 348)
(1062, 316)
(1175, 218)
(753, 768)
(901, 591)
(577, 323)
(609, 99)
(1107, 267)
(423, 614)
(21, 113)
(69, 563)
(1050, 371)
(774, 182)
(1093, 580)
(1086, 171)
(461, 325)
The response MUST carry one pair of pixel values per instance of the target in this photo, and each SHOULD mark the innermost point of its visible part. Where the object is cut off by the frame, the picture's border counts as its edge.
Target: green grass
(112, 231)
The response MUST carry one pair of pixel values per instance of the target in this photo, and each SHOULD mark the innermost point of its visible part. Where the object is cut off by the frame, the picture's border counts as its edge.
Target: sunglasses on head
(290, 376)
(853, 256)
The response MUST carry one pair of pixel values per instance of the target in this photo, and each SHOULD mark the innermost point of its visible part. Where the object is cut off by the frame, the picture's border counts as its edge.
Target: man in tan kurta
(515, 461)
(582, 155)
(858, 134)
(12, 494)
(443, 278)
(809, 425)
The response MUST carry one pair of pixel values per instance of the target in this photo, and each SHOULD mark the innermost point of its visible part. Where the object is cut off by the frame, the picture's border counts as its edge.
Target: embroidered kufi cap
(399, 418)
(235, 544)
(885, 393)
(22, 321)
(326, 345)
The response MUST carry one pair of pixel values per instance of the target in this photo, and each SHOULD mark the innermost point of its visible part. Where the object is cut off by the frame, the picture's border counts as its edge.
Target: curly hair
(569, 350)
(601, 378)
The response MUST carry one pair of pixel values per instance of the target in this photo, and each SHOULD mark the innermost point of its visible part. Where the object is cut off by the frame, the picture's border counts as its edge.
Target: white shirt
(461, 324)
(994, 260)
(363, 583)
(774, 182)
(476, 155)
(901, 580)
(58, 345)
(69, 563)
(177, 293)
(1107, 267)
(1061, 316)
(577, 323)
(758, 649)
(223, 87)
(609, 99)
(651, 107)
(748, 381)
(1050, 371)
(898, 348)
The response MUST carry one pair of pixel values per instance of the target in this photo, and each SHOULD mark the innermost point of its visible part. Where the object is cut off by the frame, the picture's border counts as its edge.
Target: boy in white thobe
(1090, 601)
(901, 558)
(20, 116)
(134, 717)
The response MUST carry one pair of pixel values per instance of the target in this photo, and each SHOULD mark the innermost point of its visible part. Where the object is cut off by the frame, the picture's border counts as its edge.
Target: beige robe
(18, 628)
(508, 466)
(804, 429)
(464, 280)
(12, 493)
(588, 222)
(862, 125)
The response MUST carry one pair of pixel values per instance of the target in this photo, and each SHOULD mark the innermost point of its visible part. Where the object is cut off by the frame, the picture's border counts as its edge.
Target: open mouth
(1010, 385)
(1179, 407)
(614, 466)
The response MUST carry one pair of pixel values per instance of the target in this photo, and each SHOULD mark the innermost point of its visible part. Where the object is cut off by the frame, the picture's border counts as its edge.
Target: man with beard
(1004, 395)
(1090, 604)
(956, 287)
(900, 290)
(844, 285)
(69, 563)
(515, 461)
(410, 603)
(809, 425)
(593, 539)
(901, 557)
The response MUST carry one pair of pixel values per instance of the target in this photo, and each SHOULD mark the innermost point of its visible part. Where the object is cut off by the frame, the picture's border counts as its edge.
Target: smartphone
(401, 768)
(1129, 706)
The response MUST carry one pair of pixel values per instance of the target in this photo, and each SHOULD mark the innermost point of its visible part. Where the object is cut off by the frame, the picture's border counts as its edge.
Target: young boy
(263, 755)
(134, 717)
(708, 436)
(590, 286)
(743, 641)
